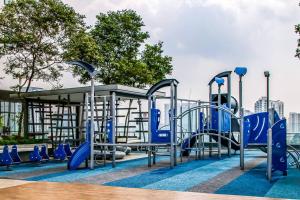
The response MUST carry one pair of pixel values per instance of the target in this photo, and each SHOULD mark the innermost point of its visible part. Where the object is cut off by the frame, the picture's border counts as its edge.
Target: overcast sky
(206, 37)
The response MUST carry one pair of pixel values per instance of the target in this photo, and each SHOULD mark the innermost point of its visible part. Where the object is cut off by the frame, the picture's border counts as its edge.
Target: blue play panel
(187, 176)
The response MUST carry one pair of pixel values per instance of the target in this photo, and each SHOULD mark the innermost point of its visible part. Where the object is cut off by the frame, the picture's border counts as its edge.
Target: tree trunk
(22, 113)
(20, 121)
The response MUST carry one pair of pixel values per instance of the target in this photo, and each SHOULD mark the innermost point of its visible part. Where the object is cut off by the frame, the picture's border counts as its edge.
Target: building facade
(261, 106)
(247, 112)
(294, 122)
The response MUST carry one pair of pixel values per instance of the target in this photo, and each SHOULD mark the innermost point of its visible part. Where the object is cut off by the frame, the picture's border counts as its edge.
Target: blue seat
(35, 155)
(59, 153)
(6, 159)
(44, 153)
(68, 150)
(15, 155)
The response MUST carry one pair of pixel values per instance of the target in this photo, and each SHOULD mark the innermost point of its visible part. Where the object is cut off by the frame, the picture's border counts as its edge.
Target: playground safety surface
(48, 190)
(210, 178)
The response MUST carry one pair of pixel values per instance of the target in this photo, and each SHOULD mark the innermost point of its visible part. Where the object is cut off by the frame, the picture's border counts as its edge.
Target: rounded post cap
(241, 71)
(219, 81)
(267, 73)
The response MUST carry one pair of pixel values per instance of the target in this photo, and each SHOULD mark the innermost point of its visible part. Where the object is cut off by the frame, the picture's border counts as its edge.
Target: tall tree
(158, 64)
(33, 36)
(120, 40)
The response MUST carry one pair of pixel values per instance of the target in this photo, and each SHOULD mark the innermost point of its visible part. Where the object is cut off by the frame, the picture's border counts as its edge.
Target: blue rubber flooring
(29, 167)
(182, 177)
(151, 177)
(288, 187)
(251, 183)
(69, 176)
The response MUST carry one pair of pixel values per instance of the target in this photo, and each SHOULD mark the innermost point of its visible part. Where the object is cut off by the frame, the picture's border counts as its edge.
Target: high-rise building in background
(294, 122)
(184, 107)
(247, 112)
(261, 106)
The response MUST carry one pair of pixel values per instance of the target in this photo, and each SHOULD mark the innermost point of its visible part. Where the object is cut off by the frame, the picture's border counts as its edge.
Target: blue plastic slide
(79, 156)
(83, 151)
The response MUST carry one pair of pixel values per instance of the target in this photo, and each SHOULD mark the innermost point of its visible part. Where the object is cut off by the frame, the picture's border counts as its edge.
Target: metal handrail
(296, 161)
(206, 106)
(218, 135)
(214, 134)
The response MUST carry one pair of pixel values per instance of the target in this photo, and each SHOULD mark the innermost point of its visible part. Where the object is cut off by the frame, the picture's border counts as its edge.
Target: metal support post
(219, 122)
(149, 129)
(113, 116)
(172, 161)
(229, 106)
(92, 122)
(181, 131)
(105, 124)
(175, 123)
(242, 161)
(269, 157)
(210, 121)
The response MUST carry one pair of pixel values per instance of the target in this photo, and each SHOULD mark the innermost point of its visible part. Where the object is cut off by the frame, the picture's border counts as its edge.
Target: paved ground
(62, 191)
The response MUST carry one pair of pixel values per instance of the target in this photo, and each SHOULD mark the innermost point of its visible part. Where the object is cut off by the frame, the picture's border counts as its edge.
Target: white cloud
(209, 36)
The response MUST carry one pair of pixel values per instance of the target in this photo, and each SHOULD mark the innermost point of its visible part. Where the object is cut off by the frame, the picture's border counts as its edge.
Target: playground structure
(158, 138)
(118, 118)
(215, 119)
(259, 130)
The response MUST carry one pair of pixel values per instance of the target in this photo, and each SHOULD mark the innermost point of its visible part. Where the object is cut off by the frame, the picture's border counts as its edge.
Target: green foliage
(82, 46)
(1, 121)
(33, 34)
(159, 65)
(10, 140)
(114, 46)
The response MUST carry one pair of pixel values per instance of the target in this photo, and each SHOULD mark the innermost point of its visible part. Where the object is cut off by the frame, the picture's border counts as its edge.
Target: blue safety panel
(158, 136)
(225, 120)
(214, 119)
(257, 133)
(60, 153)
(109, 130)
(35, 155)
(279, 147)
(43, 153)
(201, 121)
(247, 132)
(67, 149)
(5, 157)
(15, 155)
(155, 119)
(161, 136)
(276, 117)
(88, 130)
